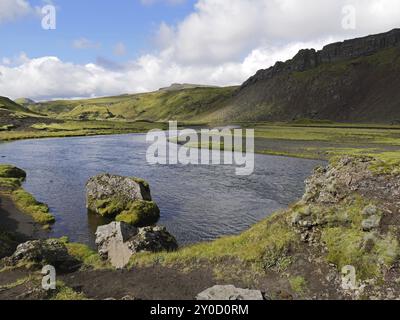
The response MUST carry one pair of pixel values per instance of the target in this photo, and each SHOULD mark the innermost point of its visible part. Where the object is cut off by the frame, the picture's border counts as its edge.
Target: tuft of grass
(28, 204)
(87, 256)
(63, 292)
(16, 283)
(249, 248)
(298, 285)
(10, 183)
(9, 171)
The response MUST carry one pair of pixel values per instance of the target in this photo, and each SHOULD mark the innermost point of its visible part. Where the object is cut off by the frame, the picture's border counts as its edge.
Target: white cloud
(13, 9)
(220, 43)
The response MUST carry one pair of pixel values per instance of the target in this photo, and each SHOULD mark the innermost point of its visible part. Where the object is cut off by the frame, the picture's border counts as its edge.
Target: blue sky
(110, 47)
(104, 23)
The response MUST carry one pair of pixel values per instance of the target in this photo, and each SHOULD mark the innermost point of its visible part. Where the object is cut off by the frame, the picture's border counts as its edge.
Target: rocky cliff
(352, 81)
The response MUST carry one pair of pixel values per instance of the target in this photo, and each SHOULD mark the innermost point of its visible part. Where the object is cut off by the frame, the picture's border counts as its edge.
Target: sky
(100, 48)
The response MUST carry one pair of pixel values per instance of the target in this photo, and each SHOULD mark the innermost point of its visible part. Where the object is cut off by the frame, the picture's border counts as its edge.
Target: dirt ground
(17, 223)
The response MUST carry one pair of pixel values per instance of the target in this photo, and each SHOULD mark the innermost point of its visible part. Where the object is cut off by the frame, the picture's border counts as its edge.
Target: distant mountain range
(352, 81)
(183, 86)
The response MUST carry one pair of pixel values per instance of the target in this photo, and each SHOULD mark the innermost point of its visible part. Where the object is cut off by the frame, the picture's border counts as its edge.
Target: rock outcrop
(39, 253)
(223, 293)
(350, 81)
(310, 58)
(124, 198)
(118, 241)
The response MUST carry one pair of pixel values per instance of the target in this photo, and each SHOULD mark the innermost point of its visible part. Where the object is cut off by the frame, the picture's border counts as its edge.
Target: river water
(197, 203)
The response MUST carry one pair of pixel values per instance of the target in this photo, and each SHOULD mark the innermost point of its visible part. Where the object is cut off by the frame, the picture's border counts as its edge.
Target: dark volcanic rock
(310, 58)
(39, 253)
(351, 81)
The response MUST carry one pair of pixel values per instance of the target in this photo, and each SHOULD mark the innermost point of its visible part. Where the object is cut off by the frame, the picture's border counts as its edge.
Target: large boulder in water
(118, 241)
(39, 253)
(127, 199)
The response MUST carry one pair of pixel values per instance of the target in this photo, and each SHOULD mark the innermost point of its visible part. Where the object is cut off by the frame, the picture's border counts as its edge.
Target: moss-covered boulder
(11, 177)
(140, 214)
(9, 171)
(39, 253)
(127, 199)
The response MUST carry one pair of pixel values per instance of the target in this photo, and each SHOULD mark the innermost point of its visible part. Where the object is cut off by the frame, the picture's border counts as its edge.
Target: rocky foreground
(340, 241)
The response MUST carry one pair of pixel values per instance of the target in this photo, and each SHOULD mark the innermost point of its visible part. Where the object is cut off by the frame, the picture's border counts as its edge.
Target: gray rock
(39, 253)
(118, 241)
(111, 242)
(121, 190)
(370, 210)
(371, 223)
(229, 293)
(123, 198)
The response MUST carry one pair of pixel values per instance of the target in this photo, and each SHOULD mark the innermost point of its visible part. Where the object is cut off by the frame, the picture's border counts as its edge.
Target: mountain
(352, 81)
(7, 104)
(24, 101)
(356, 80)
(179, 86)
(180, 104)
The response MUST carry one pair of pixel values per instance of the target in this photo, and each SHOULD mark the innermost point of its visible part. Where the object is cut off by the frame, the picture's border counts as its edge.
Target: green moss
(109, 207)
(9, 171)
(87, 256)
(10, 183)
(16, 283)
(250, 248)
(346, 247)
(298, 285)
(7, 127)
(63, 292)
(140, 214)
(386, 163)
(27, 203)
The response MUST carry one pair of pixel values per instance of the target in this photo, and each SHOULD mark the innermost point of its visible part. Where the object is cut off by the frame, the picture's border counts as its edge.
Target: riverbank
(306, 139)
(348, 216)
(53, 128)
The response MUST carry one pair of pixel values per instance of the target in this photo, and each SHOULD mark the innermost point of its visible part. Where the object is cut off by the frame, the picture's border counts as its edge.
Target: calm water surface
(197, 202)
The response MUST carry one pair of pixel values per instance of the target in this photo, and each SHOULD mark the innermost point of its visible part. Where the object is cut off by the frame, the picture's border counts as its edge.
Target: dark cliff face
(310, 58)
(352, 81)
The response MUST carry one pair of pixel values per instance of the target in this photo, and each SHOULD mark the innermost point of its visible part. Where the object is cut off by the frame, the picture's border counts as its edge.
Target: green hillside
(7, 104)
(185, 104)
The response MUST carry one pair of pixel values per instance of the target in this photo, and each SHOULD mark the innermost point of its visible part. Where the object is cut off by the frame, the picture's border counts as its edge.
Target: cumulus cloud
(13, 9)
(220, 43)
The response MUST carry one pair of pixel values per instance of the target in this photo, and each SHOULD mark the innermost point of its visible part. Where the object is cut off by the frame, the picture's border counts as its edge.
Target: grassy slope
(273, 246)
(79, 128)
(355, 90)
(186, 104)
(10, 105)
